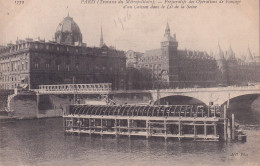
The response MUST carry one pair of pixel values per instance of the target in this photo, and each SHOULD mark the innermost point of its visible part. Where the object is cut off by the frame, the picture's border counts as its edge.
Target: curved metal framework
(150, 111)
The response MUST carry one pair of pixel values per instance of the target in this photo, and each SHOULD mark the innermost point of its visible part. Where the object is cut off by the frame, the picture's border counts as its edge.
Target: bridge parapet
(218, 95)
(229, 88)
(101, 88)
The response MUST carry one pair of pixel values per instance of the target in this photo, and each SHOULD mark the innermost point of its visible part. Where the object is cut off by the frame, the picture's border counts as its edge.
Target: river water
(42, 142)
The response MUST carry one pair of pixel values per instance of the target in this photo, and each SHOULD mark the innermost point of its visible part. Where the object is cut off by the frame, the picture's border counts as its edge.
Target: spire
(167, 30)
(249, 56)
(168, 40)
(68, 11)
(101, 38)
(230, 54)
(220, 53)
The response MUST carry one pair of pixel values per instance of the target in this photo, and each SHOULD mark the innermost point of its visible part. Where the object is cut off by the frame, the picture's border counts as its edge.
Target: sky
(235, 25)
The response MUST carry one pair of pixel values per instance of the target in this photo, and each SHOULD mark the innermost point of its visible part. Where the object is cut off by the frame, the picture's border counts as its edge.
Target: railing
(187, 90)
(75, 88)
(229, 88)
(106, 87)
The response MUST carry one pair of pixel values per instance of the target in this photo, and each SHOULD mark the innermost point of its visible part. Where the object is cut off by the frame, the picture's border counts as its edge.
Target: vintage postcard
(129, 82)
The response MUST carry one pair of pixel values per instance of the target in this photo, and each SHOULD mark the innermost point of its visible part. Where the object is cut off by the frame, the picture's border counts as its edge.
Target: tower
(169, 48)
(222, 73)
(168, 40)
(232, 67)
(101, 43)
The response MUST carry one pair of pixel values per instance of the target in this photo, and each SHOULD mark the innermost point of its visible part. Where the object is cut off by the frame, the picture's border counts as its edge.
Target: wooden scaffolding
(172, 121)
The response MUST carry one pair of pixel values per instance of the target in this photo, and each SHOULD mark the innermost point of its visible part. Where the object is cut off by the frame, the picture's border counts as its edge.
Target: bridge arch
(179, 100)
(234, 96)
(245, 107)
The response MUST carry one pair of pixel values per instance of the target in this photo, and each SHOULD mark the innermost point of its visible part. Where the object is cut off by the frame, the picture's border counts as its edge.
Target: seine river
(42, 142)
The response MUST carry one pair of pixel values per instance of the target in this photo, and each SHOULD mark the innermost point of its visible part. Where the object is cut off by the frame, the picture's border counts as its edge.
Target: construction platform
(195, 122)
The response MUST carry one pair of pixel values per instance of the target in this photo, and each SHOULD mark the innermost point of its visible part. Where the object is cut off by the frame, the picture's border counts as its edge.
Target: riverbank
(6, 119)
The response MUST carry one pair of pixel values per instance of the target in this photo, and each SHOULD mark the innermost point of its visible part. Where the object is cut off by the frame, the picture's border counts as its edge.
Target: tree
(138, 78)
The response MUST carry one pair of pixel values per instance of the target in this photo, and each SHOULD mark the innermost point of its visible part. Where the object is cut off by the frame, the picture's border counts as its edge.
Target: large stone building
(30, 63)
(174, 68)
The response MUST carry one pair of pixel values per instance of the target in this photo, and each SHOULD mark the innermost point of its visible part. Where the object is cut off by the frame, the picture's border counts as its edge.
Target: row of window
(7, 86)
(26, 45)
(14, 66)
(18, 47)
(151, 58)
(151, 66)
(67, 67)
(11, 78)
(58, 48)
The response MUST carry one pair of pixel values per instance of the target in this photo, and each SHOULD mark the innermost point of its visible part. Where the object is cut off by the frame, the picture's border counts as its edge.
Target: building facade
(175, 68)
(30, 63)
(132, 58)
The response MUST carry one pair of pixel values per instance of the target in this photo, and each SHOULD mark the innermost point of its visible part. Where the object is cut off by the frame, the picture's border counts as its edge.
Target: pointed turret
(222, 66)
(230, 54)
(249, 56)
(219, 54)
(167, 31)
(101, 44)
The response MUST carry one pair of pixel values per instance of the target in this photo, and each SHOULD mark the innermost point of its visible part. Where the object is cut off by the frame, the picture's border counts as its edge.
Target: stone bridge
(218, 95)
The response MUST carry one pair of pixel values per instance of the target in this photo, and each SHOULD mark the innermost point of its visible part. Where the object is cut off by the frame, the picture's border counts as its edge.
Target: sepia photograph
(129, 82)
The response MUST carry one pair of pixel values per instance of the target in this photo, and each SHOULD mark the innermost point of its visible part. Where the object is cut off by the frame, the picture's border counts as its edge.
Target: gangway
(100, 88)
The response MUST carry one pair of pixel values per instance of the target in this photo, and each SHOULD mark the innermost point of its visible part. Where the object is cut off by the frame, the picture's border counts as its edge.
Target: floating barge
(167, 121)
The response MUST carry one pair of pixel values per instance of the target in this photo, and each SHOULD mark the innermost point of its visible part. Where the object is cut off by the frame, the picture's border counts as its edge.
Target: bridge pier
(228, 100)
(225, 122)
(37, 104)
(233, 127)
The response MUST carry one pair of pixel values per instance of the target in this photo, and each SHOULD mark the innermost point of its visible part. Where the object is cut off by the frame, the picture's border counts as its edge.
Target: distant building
(172, 68)
(235, 71)
(132, 58)
(66, 60)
